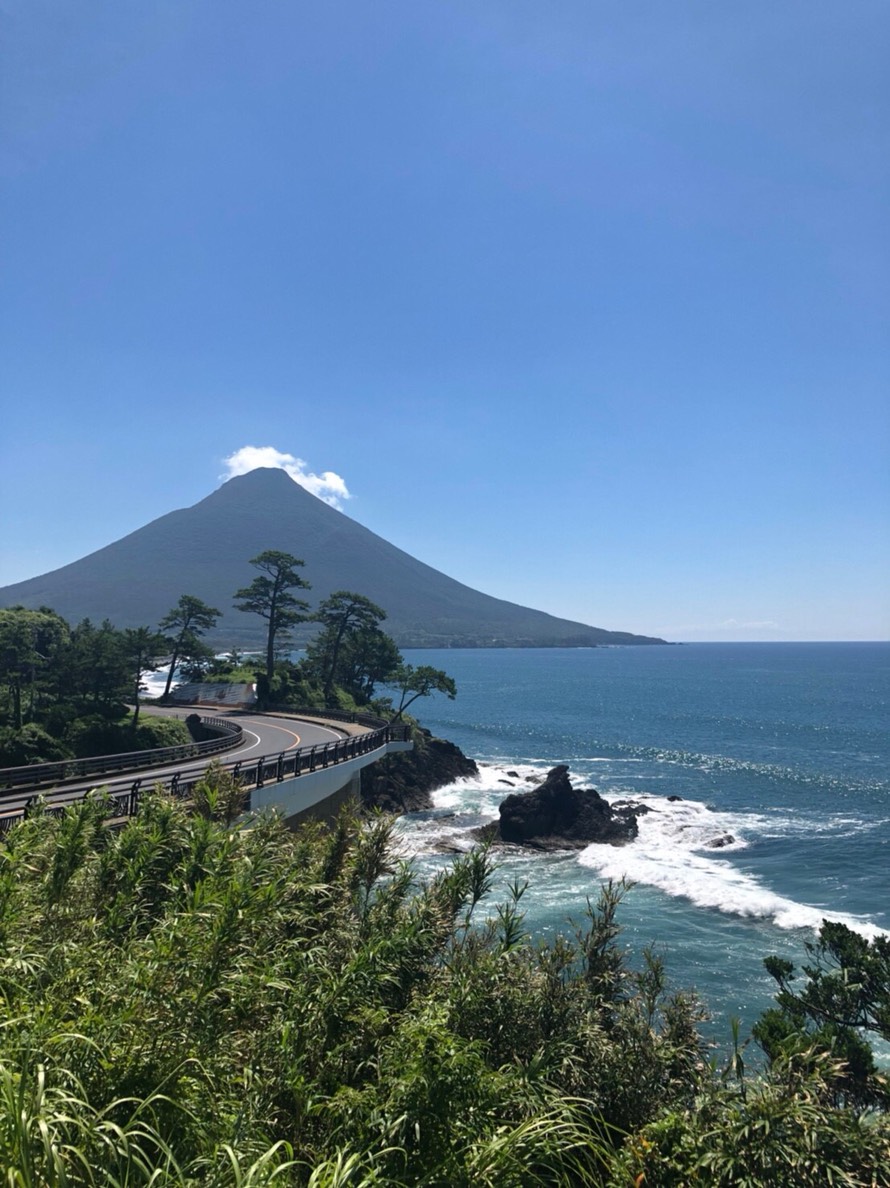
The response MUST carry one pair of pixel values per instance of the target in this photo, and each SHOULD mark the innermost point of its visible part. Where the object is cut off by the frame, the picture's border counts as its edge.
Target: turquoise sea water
(784, 748)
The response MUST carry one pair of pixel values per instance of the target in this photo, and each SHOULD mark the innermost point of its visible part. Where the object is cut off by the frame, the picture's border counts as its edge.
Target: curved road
(263, 736)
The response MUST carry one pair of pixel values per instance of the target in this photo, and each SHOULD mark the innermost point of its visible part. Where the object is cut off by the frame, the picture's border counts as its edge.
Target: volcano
(205, 551)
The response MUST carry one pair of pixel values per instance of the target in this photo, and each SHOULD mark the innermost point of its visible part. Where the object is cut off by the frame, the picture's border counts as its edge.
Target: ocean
(779, 752)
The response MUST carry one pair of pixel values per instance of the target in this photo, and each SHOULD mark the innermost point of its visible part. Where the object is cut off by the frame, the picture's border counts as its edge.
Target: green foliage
(217, 1006)
(269, 595)
(348, 659)
(352, 619)
(414, 682)
(187, 1004)
(94, 671)
(848, 980)
(366, 657)
(98, 736)
(30, 744)
(142, 649)
(62, 690)
(162, 732)
(219, 795)
(783, 1129)
(220, 670)
(818, 1117)
(846, 993)
(185, 624)
(28, 642)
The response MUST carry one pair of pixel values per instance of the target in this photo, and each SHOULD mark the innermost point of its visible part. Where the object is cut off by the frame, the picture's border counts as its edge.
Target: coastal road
(264, 735)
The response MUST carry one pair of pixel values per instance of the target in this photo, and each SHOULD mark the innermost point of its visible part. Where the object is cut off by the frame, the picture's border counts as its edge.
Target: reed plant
(185, 1003)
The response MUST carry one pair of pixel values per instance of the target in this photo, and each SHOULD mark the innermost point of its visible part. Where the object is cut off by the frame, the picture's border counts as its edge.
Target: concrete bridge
(297, 763)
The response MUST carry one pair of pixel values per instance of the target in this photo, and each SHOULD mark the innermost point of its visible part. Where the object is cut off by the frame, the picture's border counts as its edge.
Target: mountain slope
(205, 550)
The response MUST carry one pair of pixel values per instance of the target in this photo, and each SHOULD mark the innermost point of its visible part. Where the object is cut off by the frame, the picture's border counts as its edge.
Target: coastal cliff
(403, 783)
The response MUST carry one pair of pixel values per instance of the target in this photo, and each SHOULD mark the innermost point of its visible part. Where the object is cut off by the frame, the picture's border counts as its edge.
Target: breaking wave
(671, 855)
(683, 849)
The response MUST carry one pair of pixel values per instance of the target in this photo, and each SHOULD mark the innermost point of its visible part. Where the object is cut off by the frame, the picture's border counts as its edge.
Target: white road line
(294, 736)
(255, 743)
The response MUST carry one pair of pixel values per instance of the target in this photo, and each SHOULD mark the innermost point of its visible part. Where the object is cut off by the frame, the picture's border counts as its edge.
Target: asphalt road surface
(264, 736)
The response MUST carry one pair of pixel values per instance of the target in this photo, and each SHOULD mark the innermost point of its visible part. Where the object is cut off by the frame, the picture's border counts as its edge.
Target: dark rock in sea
(514, 775)
(673, 799)
(509, 783)
(635, 805)
(486, 834)
(556, 816)
(717, 843)
(404, 783)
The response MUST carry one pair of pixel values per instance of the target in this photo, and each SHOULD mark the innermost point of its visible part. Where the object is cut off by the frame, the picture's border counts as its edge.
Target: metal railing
(49, 775)
(285, 765)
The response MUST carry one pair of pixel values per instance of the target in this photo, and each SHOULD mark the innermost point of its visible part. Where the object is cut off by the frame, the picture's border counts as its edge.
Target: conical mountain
(205, 551)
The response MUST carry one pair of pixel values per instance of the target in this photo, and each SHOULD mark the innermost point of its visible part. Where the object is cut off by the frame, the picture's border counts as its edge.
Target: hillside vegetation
(64, 688)
(184, 1004)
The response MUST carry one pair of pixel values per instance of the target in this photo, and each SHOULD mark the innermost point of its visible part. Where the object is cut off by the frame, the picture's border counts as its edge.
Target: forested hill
(204, 551)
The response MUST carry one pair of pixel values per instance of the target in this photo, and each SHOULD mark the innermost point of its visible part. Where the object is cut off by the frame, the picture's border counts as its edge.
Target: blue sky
(585, 304)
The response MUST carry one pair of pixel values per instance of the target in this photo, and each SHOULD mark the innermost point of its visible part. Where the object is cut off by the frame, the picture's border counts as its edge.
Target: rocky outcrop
(717, 843)
(404, 783)
(556, 816)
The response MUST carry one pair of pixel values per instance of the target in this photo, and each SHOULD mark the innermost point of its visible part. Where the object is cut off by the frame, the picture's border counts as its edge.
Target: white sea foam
(675, 851)
(670, 853)
(461, 807)
(154, 683)
(837, 823)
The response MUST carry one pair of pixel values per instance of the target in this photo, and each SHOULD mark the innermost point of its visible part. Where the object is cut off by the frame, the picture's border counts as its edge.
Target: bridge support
(318, 794)
(326, 810)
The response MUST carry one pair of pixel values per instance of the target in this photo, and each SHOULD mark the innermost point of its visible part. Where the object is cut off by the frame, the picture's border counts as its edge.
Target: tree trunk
(335, 655)
(173, 659)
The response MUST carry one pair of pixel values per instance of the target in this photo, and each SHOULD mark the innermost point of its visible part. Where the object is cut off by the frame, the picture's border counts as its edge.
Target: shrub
(296, 1003)
(31, 744)
(96, 735)
(219, 795)
(779, 1130)
(186, 1004)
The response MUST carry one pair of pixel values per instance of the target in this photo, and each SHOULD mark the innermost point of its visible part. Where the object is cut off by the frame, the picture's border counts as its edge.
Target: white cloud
(328, 486)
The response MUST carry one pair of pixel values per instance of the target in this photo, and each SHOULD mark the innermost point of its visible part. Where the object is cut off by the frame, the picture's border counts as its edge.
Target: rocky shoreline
(405, 783)
(551, 814)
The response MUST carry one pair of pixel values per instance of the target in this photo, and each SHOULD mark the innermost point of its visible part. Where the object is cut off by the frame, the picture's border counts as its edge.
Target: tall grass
(186, 1004)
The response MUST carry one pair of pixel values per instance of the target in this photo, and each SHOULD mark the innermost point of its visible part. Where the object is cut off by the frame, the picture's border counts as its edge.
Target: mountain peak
(263, 478)
(265, 486)
(269, 476)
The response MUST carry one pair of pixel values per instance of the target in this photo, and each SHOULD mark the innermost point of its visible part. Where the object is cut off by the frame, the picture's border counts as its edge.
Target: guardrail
(271, 768)
(50, 775)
